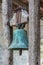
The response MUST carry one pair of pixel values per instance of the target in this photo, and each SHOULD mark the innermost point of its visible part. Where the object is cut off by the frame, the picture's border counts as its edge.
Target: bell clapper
(20, 52)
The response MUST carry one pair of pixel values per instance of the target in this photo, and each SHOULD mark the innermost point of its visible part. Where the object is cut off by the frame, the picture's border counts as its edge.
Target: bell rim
(17, 48)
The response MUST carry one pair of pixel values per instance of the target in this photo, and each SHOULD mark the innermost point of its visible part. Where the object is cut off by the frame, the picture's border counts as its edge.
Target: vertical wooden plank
(6, 16)
(34, 32)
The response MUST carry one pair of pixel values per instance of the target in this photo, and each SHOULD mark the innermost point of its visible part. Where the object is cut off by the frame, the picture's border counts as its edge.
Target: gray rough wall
(17, 59)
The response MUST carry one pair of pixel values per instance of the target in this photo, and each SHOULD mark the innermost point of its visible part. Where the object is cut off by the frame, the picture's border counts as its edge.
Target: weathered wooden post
(34, 32)
(6, 16)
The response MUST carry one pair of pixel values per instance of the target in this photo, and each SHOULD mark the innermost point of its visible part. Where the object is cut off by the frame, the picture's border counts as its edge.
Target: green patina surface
(20, 39)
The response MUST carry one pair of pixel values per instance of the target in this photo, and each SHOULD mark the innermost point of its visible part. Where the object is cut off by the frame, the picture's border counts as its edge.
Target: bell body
(20, 40)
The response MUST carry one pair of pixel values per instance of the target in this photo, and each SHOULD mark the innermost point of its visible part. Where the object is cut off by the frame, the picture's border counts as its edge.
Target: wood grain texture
(34, 32)
(6, 16)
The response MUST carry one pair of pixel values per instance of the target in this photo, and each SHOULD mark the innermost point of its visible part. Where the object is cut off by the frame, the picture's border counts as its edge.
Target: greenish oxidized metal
(20, 40)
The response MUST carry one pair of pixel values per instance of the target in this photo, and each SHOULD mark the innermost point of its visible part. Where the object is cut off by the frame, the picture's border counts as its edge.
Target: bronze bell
(20, 37)
(20, 40)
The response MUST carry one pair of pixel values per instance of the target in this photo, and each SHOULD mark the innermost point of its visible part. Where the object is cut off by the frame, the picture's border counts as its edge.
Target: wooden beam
(18, 3)
(34, 32)
(0, 7)
(41, 0)
(41, 11)
(6, 16)
(0, 1)
(41, 4)
(14, 7)
(13, 21)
